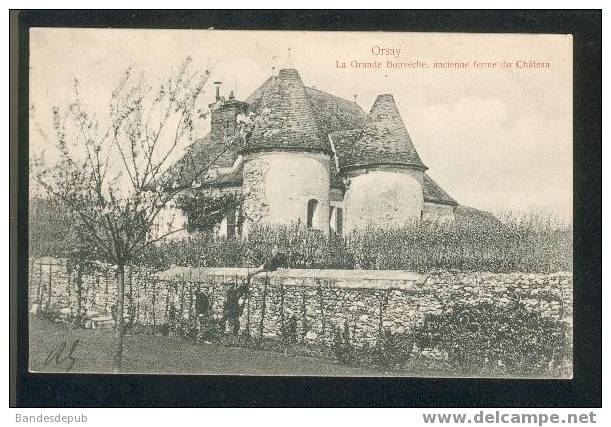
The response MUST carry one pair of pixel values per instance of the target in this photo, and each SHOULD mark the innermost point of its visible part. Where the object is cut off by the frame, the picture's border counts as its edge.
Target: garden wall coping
(196, 274)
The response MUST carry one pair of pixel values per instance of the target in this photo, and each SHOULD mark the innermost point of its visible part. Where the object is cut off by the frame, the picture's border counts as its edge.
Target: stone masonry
(316, 300)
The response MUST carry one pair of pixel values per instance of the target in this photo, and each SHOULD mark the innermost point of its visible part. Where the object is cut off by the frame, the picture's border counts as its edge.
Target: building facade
(313, 159)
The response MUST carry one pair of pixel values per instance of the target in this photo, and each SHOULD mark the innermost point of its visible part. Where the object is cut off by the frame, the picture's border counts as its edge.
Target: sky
(494, 137)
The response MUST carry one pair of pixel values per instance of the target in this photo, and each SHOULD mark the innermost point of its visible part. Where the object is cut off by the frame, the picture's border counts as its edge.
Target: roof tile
(383, 139)
(287, 118)
(434, 193)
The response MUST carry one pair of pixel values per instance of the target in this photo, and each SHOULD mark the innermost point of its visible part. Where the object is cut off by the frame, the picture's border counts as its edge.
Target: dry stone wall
(314, 301)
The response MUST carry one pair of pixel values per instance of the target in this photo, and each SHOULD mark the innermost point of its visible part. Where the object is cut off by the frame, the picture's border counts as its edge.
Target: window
(312, 204)
(228, 127)
(339, 220)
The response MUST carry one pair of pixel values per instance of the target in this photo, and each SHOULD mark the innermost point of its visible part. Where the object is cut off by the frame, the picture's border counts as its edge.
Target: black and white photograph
(305, 209)
(300, 203)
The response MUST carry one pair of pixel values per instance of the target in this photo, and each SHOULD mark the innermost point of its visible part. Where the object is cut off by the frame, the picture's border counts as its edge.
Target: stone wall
(95, 294)
(318, 300)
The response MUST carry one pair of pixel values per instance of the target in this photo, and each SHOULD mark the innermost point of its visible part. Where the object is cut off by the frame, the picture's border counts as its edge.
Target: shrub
(49, 226)
(393, 350)
(164, 329)
(485, 338)
(209, 329)
(289, 331)
(525, 243)
(304, 248)
(342, 346)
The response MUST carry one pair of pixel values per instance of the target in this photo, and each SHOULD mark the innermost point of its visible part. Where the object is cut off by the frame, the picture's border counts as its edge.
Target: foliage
(527, 243)
(49, 228)
(289, 330)
(487, 338)
(343, 347)
(110, 174)
(393, 349)
(303, 248)
(204, 211)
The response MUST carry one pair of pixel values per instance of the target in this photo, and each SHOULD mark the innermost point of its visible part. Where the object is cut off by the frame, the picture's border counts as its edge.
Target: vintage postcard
(300, 203)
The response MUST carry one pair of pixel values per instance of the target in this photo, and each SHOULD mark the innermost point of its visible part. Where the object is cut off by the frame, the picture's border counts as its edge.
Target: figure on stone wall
(236, 296)
(272, 263)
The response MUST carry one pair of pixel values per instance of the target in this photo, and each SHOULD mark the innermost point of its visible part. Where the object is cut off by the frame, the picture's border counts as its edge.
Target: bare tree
(113, 174)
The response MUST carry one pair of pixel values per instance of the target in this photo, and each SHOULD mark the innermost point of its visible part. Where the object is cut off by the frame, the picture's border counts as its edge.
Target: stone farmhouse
(314, 159)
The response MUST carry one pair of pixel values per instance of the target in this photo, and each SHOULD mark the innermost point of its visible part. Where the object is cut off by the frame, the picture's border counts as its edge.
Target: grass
(169, 355)
(147, 354)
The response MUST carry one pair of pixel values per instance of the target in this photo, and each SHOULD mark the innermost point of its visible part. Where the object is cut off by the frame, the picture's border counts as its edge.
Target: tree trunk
(40, 292)
(153, 302)
(79, 292)
(119, 320)
(50, 286)
(130, 307)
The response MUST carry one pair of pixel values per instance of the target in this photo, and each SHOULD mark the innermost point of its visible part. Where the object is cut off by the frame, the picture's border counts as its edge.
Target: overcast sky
(496, 139)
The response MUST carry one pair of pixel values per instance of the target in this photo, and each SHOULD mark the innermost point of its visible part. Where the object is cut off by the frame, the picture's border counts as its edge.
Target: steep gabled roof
(287, 119)
(433, 193)
(383, 140)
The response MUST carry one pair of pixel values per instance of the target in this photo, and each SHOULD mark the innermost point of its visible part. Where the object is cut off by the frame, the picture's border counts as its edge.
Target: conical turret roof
(286, 118)
(383, 140)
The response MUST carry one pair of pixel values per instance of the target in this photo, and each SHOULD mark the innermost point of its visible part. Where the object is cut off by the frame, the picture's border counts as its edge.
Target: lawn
(167, 355)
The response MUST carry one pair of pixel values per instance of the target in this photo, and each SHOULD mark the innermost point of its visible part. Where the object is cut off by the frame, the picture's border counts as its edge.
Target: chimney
(223, 120)
(218, 90)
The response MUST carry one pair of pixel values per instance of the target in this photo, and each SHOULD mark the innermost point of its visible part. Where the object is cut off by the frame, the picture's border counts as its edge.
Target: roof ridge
(330, 94)
(332, 113)
(290, 119)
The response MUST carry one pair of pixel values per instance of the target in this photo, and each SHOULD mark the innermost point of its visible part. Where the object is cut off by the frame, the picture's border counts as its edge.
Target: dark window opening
(312, 204)
(231, 224)
(228, 127)
(339, 220)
